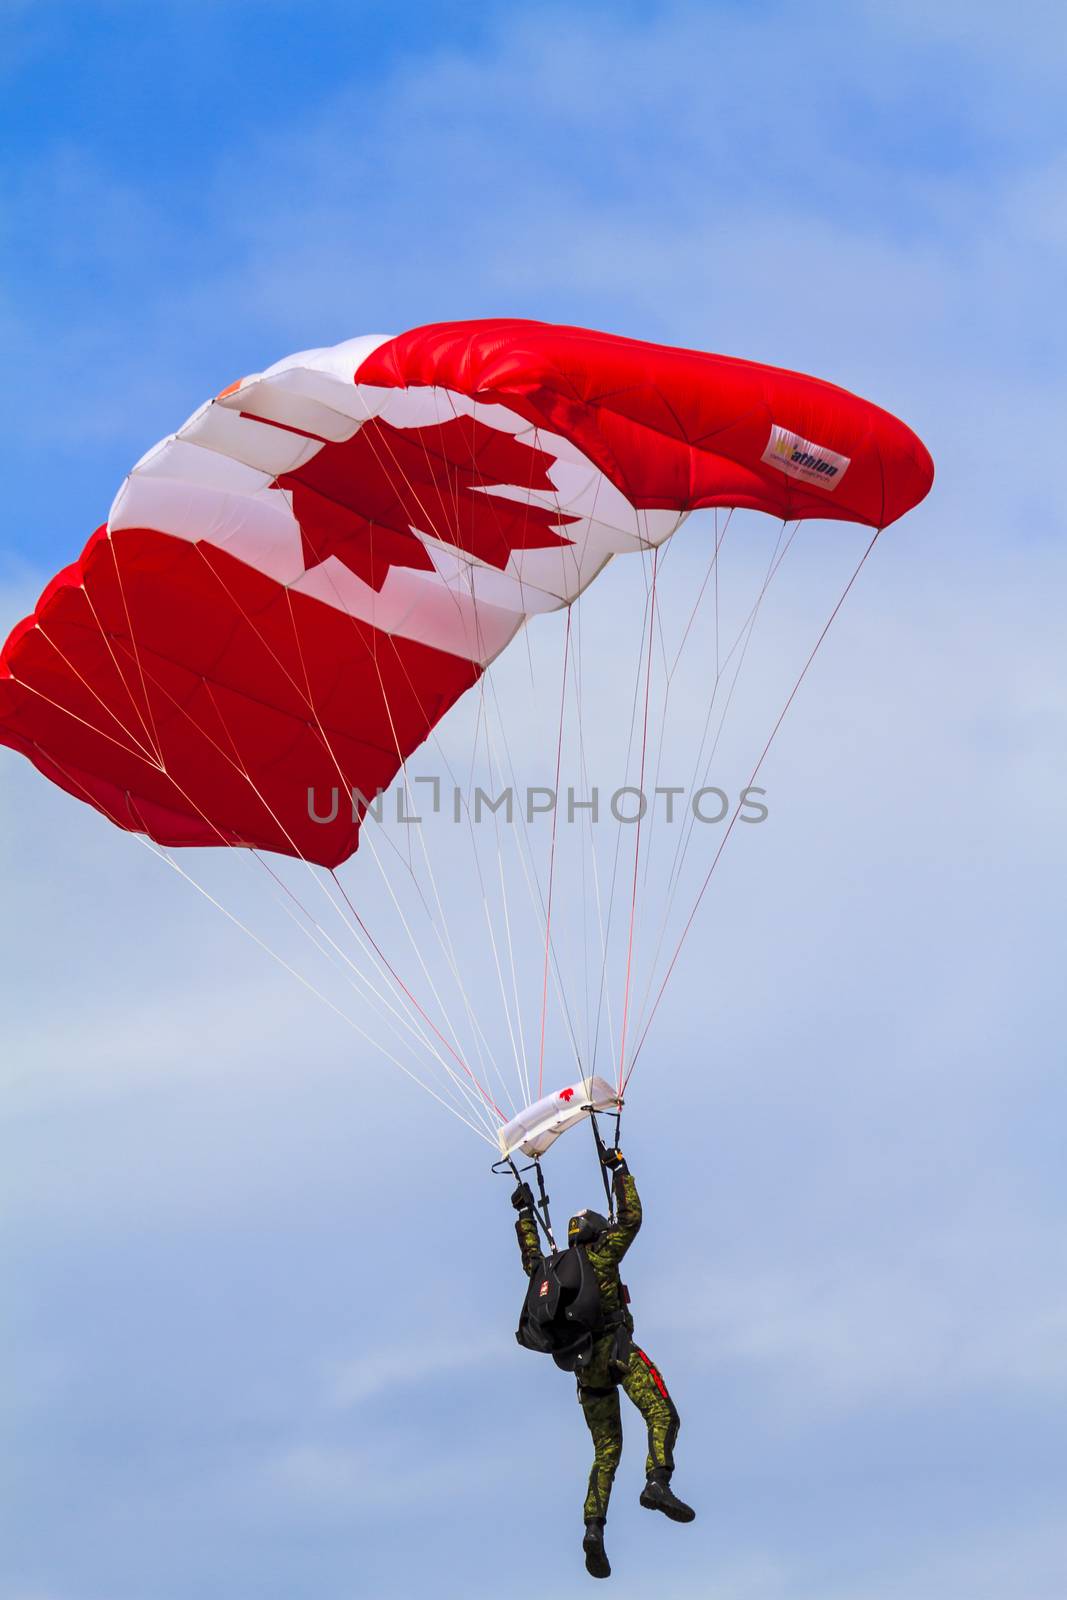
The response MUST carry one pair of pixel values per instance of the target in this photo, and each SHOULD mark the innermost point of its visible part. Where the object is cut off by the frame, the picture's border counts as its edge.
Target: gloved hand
(523, 1199)
(614, 1160)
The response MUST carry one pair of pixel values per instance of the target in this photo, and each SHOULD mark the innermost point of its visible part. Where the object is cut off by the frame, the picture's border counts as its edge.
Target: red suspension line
(552, 860)
(640, 818)
(737, 809)
(384, 959)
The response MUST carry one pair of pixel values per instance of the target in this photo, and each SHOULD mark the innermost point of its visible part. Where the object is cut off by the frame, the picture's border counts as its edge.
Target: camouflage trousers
(644, 1386)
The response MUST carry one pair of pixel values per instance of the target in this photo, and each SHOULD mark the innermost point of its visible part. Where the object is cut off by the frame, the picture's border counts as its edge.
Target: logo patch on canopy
(802, 458)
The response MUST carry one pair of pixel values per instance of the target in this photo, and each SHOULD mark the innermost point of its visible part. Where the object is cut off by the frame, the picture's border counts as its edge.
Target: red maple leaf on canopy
(359, 499)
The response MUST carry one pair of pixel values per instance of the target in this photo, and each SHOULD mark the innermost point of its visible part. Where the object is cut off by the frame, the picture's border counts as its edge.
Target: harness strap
(540, 1208)
(544, 1204)
(601, 1153)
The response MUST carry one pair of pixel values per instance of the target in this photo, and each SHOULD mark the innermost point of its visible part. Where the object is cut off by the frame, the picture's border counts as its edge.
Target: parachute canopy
(292, 589)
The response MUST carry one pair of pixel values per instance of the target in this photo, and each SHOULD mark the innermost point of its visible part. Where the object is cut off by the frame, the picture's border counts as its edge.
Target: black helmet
(586, 1226)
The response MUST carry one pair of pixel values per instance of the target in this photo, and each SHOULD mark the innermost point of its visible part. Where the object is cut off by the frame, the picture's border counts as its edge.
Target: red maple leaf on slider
(359, 499)
(566, 1094)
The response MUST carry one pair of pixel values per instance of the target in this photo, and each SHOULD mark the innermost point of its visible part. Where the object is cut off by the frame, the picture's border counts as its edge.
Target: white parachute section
(538, 1126)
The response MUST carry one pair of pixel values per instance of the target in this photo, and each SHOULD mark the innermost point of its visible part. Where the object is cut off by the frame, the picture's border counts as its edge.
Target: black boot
(658, 1496)
(596, 1557)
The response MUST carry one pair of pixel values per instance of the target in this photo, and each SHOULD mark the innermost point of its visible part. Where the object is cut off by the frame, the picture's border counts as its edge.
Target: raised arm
(526, 1230)
(613, 1245)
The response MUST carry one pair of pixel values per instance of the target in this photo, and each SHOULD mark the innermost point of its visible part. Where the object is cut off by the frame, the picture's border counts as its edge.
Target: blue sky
(257, 1328)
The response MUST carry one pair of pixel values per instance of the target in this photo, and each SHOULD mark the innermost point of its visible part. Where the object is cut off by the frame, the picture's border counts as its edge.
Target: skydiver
(614, 1360)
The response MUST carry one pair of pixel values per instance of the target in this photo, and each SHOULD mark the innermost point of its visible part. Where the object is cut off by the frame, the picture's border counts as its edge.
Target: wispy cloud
(407, 1365)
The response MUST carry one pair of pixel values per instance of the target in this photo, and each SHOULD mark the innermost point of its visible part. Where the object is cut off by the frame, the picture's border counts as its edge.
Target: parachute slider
(539, 1125)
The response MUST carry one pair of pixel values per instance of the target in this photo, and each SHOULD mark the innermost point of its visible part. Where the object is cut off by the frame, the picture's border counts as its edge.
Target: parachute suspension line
(651, 836)
(552, 859)
(712, 572)
(672, 668)
(518, 1035)
(148, 734)
(525, 855)
(718, 547)
(450, 956)
(164, 856)
(669, 669)
(138, 754)
(460, 1088)
(515, 1029)
(587, 836)
(153, 758)
(604, 1000)
(411, 1025)
(743, 639)
(441, 930)
(384, 959)
(97, 805)
(168, 860)
(444, 941)
(745, 633)
(737, 809)
(524, 852)
(310, 926)
(303, 919)
(514, 1026)
(515, 1035)
(637, 838)
(583, 853)
(605, 993)
(154, 736)
(440, 924)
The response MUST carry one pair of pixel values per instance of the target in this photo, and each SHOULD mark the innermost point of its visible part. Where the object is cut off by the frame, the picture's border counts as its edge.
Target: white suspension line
(376, 1044)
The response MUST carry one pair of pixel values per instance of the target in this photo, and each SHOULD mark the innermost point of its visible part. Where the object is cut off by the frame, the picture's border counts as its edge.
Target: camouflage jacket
(605, 1255)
